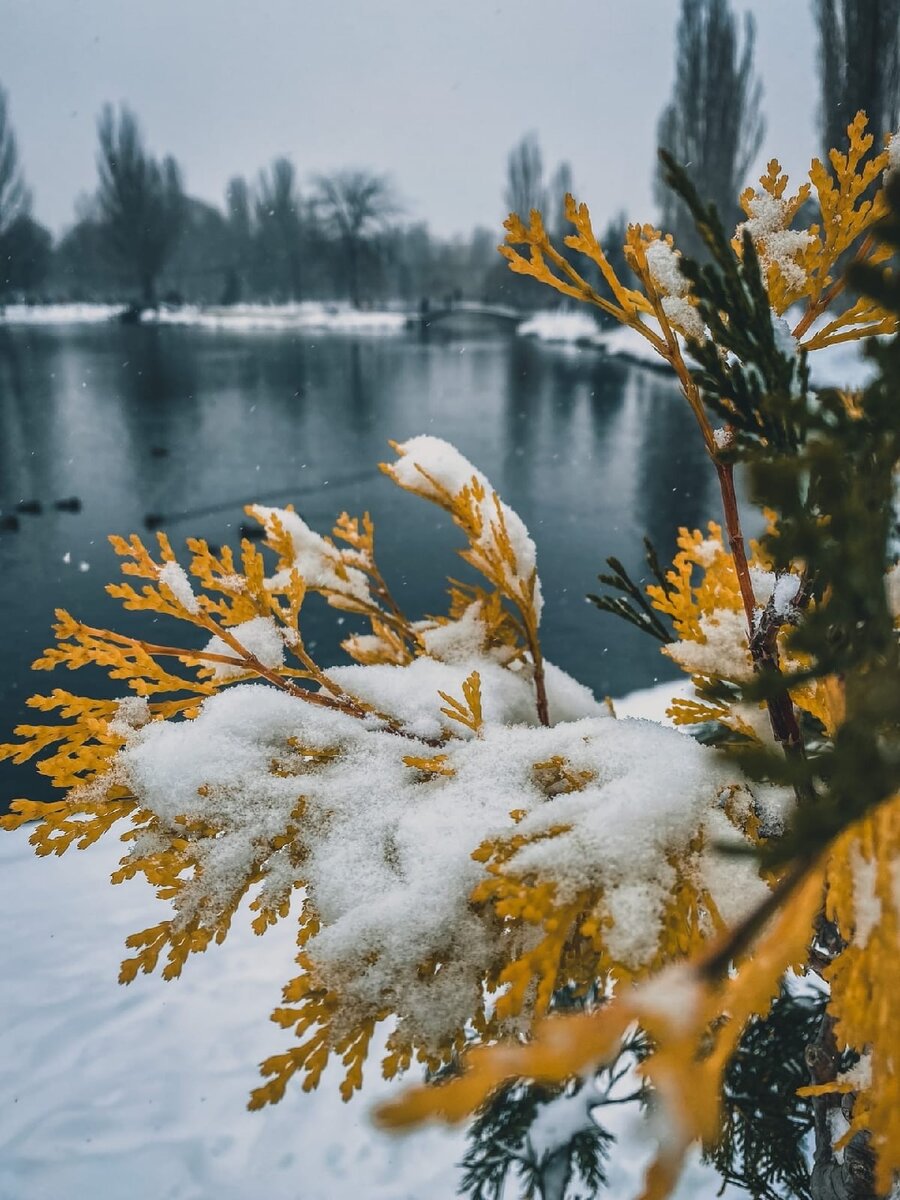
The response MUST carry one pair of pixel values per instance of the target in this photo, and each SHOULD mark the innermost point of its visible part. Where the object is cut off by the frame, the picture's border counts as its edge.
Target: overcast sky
(432, 91)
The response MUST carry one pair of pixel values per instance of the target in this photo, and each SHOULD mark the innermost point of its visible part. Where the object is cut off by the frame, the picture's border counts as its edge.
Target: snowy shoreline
(575, 330)
(307, 316)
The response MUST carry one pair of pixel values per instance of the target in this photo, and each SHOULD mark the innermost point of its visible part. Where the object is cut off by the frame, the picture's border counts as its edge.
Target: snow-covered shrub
(462, 827)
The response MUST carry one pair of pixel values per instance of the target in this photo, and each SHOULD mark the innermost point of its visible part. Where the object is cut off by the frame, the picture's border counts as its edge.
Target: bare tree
(279, 224)
(140, 201)
(26, 253)
(355, 205)
(525, 177)
(15, 199)
(713, 123)
(859, 63)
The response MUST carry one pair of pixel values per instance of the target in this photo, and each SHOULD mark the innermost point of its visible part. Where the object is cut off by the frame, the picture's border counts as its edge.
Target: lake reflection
(192, 425)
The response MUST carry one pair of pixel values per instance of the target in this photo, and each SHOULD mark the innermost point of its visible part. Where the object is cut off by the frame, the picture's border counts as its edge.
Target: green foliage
(765, 1122)
(757, 386)
(500, 1144)
(631, 604)
(714, 119)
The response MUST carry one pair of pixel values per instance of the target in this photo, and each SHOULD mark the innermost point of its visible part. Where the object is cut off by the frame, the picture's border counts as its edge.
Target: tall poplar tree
(859, 65)
(714, 120)
(15, 199)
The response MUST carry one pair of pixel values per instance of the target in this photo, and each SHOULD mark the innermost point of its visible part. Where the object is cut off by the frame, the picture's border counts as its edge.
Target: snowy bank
(309, 316)
(303, 317)
(59, 314)
(574, 328)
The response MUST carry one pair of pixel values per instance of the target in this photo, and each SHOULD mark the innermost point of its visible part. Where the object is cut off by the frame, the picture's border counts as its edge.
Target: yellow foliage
(431, 768)
(573, 942)
(701, 585)
(466, 712)
(490, 551)
(215, 595)
(686, 600)
(863, 899)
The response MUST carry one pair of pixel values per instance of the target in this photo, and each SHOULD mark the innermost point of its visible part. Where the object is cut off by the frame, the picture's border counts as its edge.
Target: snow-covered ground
(140, 1092)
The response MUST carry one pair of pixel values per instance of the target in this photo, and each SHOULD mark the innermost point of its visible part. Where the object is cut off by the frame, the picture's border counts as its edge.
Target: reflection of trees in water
(155, 369)
(547, 395)
(14, 456)
(609, 452)
(674, 477)
(359, 398)
(30, 364)
(11, 366)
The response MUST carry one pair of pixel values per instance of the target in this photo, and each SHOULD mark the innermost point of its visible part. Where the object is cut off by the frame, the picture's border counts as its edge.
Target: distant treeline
(140, 238)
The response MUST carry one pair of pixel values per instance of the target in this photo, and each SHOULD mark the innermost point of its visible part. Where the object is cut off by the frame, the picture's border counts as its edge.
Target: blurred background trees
(25, 246)
(344, 235)
(859, 66)
(140, 202)
(355, 207)
(525, 177)
(714, 120)
(279, 229)
(15, 200)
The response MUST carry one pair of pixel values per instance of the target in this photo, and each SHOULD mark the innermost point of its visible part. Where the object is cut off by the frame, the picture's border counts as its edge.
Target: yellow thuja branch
(863, 902)
(349, 579)
(362, 542)
(702, 598)
(498, 547)
(203, 859)
(694, 1012)
(630, 305)
(798, 265)
(466, 712)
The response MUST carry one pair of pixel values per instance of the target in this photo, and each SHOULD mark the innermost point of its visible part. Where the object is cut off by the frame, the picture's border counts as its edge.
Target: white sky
(432, 91)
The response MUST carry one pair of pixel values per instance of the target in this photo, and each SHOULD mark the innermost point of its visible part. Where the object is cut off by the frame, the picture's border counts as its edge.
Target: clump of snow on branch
(260, 636)
(433, 468)
(559, 1121)
(174, 576)
(132, 712)
(723, 651)
(893, 152)
(776, 244)
(319, 562)
(454, 641)
(665, 271)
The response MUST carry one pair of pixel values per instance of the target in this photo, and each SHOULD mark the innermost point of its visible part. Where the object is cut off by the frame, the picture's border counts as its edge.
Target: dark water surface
(193, 425)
